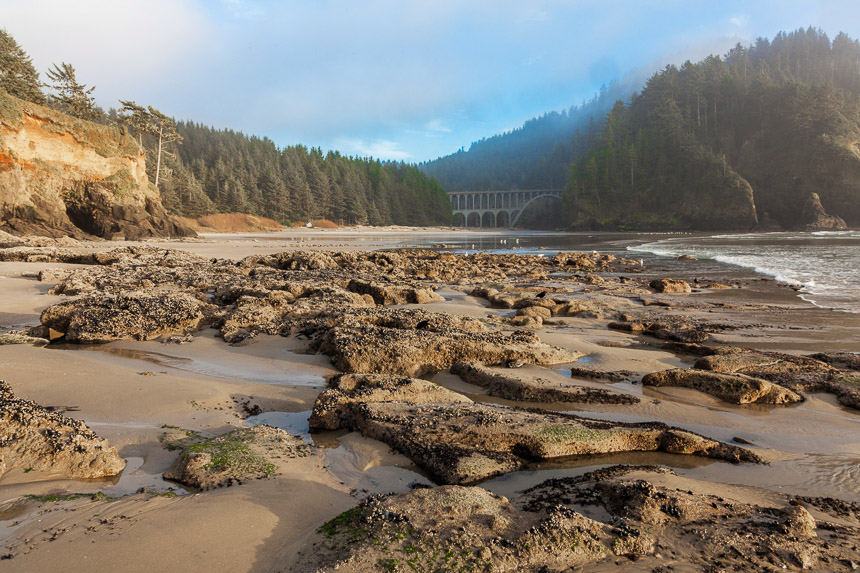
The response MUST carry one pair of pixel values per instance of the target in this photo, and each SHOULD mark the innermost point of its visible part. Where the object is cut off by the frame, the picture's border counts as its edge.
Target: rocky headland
(63, 176)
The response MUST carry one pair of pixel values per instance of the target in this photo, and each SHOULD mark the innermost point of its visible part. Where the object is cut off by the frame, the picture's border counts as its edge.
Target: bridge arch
(473, 220)
(516, 215)
(488, 220)
(459, 220)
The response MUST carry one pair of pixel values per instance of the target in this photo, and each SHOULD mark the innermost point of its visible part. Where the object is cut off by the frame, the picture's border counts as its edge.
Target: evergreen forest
(226, 171)
(738, 142)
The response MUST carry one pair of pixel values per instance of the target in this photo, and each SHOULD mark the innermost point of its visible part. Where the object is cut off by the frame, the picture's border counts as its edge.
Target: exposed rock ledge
(460, 442)
(34, 439)
(604, 520)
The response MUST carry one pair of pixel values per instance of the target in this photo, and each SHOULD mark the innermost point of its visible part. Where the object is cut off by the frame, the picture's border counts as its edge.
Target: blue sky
(392, 79)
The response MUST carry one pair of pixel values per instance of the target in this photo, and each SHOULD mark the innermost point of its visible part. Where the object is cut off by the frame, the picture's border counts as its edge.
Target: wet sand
(126, 391)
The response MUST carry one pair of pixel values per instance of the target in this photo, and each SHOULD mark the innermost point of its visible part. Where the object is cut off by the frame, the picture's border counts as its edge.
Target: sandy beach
(132, 392)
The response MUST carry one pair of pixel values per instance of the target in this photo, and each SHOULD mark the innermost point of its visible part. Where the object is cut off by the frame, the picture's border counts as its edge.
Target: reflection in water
(220, 366)
(512, 483)
(133, 478)
(295, 423)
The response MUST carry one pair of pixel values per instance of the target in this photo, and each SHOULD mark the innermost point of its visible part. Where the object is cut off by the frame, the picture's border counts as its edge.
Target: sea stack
(815, 218)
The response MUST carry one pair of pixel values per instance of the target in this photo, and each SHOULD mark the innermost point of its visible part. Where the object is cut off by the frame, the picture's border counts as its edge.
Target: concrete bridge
(492, 209)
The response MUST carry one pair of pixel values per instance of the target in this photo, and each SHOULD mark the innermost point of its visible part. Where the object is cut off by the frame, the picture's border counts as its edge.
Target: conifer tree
(150, 120)
(72, 97)
(17, 74)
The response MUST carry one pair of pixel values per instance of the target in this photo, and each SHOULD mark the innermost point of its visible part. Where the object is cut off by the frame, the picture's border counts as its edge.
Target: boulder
(670, 286)
(234, 457)
(132, 315)
(33, 438)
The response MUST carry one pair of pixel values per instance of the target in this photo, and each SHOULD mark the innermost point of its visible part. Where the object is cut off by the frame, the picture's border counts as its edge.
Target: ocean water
(824, 265)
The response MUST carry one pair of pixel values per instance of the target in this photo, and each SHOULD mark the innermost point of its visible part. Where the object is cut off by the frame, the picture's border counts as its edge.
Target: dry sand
(126, 391)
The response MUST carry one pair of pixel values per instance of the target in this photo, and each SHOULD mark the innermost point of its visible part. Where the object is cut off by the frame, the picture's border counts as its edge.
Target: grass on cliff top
(107, 141)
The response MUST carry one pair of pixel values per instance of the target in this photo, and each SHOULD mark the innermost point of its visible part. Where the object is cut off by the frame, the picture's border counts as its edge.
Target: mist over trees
(732, 142)
(761, 127)
(537, 155)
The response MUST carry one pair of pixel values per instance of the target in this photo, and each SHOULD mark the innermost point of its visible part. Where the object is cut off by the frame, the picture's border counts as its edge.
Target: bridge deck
(493, 209)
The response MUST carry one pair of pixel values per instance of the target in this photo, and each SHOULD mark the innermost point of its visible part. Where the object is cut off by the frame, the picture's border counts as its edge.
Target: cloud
(740, 21)
(127, 49)
(436, 126)
(380, 149)
(429, 76)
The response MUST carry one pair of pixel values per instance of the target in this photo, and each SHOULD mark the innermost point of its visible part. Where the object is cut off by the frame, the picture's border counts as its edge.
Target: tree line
(201, 170)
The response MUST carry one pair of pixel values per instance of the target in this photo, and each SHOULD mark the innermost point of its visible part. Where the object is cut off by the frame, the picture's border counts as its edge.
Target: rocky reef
(613, 517)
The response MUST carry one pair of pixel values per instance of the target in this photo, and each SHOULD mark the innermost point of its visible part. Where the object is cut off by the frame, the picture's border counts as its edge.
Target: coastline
(127, 391)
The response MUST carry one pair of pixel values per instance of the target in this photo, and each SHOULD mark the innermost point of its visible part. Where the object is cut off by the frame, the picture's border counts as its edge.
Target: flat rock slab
(413, 343)
(511, 387)
(734, 388)
(35, 439)
(333, 407)
(462, 442)
(798, 373)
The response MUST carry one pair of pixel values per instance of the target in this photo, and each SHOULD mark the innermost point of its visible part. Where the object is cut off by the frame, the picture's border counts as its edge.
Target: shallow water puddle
(290, 369)
(817, 475)
(133, 478)
(512, 483)
(295, 423)
(565, 370)
(368, 466)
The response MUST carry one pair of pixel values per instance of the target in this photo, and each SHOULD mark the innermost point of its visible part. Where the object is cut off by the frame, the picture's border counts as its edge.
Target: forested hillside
(537, 155)
(222, 171)
(730, 142)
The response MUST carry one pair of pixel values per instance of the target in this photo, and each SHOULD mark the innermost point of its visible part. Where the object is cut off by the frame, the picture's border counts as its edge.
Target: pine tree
(150, 120)
(72, 97)
(17, 74)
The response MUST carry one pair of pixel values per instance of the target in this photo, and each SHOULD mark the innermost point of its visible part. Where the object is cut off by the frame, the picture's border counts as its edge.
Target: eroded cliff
(63, 176)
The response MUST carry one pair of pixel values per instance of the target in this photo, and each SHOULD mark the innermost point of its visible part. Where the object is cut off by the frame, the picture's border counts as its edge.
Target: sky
(402, 80)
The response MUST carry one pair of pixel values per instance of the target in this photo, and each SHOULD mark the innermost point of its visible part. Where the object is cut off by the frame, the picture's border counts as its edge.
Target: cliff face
(63, 176)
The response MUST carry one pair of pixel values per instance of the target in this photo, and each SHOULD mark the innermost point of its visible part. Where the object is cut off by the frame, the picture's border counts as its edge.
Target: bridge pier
(493, 209)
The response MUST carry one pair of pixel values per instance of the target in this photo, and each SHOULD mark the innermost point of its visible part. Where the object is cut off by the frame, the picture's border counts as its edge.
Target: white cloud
(378, 148)
(437, 126)
(243, 9)
(740, 21)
